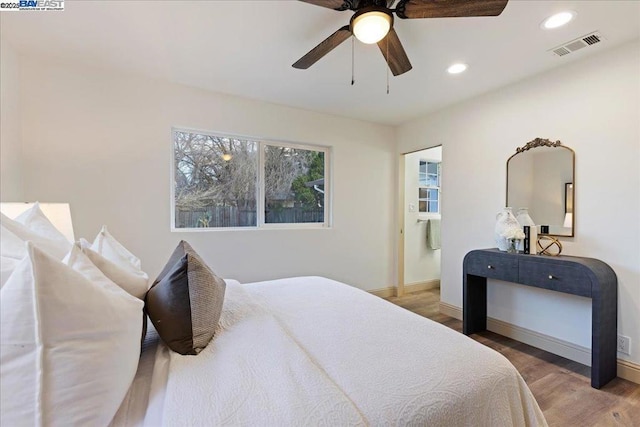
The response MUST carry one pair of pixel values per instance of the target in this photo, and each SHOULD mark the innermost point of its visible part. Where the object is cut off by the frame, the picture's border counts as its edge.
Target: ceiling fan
(372, 22)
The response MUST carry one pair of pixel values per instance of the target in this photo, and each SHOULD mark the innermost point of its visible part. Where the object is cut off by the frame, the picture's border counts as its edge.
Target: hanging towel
(433, 234)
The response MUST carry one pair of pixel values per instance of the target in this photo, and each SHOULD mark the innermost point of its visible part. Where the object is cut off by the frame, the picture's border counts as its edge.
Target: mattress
(312, 351)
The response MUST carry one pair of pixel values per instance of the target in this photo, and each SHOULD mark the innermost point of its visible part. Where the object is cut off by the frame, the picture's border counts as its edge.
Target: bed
(313, 351)
(303, 351)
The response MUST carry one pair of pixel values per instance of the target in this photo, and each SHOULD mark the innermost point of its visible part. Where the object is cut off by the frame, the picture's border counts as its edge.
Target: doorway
(420, 218)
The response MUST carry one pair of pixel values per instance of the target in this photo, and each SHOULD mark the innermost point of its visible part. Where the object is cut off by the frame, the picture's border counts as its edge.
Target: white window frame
(260, 191)
(430, 187)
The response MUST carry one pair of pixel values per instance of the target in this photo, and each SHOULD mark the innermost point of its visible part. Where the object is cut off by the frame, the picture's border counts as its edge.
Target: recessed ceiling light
(457, 68)
(558, 20)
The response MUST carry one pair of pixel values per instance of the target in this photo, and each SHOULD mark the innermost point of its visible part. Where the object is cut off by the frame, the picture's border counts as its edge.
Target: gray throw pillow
(185, 301)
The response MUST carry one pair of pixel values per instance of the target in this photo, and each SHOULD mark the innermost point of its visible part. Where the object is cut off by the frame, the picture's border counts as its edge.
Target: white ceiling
(246, 48)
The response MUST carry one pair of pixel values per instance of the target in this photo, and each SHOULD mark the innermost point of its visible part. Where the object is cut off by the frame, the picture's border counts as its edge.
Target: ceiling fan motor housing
(368, 9)
(359, 4)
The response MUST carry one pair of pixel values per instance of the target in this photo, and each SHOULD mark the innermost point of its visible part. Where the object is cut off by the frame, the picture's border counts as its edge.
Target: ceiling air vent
(577, 44)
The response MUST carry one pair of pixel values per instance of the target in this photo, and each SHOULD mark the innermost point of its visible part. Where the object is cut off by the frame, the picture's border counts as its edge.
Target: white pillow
(11, 245)
(69, 348)
(48, 242)
(77, 260)
(107, 246)
(12, 251)
(134, 281)
(35, 220)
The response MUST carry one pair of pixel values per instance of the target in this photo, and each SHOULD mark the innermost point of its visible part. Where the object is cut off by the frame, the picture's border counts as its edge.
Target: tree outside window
(223, 181)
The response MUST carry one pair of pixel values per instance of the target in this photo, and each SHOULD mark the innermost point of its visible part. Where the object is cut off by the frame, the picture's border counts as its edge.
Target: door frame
(400, 212)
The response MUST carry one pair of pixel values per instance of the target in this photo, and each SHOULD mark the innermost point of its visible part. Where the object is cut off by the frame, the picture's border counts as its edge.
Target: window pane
(433, 206)
(294, 185)
(422, 193)
(422, 206)
(432, 168)
(432, 194)
(215, 181)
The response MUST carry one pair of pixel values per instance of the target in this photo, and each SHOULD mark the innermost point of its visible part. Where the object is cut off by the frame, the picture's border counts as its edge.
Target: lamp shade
(568, 220)
(371, 27)
(58, 213)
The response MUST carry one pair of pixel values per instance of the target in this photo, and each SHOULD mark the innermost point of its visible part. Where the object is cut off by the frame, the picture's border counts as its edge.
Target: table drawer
(565, 278)
(493, 266)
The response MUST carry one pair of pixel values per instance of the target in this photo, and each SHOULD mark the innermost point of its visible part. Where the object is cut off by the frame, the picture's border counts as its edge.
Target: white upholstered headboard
(58, 213)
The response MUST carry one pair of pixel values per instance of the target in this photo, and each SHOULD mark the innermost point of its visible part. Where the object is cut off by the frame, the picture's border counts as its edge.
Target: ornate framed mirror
(541, 178)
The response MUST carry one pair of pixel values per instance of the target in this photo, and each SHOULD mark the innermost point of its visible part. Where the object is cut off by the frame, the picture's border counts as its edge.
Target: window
(226, 181)
(429, 187)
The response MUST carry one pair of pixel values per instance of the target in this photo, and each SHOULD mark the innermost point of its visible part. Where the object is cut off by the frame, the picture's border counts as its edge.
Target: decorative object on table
(533, 239)
(527, 239)
(522, 215)
(513, 237)
(506, 224)
(544, 229)
(549, 245)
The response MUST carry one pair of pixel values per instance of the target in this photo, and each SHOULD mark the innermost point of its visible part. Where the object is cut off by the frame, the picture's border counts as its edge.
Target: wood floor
(561, 386)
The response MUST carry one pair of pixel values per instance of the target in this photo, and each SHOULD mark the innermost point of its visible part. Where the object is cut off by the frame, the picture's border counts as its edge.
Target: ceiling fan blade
(331, 4)
(412, 9)
(325, 46)
(394, 53)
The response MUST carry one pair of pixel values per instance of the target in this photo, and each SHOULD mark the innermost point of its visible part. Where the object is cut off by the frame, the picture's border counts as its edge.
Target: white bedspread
(311, 351)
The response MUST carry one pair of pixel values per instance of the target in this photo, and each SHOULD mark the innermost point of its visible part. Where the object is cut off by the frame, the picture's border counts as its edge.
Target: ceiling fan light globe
(371, 27)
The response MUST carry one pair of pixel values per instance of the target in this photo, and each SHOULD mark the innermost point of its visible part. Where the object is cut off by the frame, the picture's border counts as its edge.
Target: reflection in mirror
(540, 177)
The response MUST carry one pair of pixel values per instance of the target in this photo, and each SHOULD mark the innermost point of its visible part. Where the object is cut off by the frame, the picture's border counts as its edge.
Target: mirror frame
(542, 142)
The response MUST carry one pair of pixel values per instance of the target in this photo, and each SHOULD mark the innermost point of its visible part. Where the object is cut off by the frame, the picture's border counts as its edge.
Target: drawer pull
(551, 277)
(490, 267)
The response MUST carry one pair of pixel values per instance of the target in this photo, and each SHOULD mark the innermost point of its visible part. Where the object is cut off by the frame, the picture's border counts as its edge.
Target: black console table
(586, 277)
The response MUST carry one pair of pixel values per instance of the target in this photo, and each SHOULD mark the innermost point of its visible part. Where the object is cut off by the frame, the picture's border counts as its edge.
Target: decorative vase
(505, 221)
(513, 246)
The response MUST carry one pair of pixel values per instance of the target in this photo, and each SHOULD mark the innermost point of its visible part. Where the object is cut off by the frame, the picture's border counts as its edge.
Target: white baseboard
(409, 288)
(384, 292)
(628, 370)
(450, 310)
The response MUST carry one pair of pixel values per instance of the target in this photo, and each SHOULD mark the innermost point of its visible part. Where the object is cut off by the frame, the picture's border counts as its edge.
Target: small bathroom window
(429, 187)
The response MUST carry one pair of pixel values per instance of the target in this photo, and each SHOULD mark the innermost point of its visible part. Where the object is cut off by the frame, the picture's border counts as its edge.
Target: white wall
(102, 141)
(421, 264)
(592, 106)
(10, 148)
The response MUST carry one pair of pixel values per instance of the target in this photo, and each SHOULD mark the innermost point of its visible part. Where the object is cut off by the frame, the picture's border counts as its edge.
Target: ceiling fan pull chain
(387, 67)
(353, 61)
